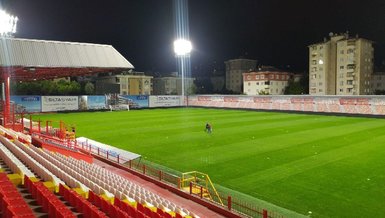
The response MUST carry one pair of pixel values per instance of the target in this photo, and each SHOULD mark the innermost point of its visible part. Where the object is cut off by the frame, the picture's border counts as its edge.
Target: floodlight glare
(182, 47)
(320, 62)
(7, 23)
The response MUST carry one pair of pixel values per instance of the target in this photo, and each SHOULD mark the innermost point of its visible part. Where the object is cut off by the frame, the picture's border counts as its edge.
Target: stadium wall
(365, 105)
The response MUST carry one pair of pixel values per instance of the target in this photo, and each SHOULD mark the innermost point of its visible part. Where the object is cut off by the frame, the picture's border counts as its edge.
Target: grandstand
(43, 172)
(69, 187)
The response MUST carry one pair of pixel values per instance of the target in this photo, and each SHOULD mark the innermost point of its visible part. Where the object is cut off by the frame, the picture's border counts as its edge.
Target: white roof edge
(56, 41)
(46, 53)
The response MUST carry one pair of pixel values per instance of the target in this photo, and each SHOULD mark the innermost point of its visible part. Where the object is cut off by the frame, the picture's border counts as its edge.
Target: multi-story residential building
(267, 80)
(171, 85)
(377, 83)
(132, 83)
(341, 66)
(234, 70)
(218, 83)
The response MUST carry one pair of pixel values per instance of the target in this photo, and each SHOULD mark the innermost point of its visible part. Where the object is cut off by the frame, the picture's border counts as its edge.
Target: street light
(182, 49)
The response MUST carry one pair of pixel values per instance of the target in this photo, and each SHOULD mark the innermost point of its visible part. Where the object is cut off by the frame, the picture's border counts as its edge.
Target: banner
(26, 103)
(165, 101)
(137, 101)
(92, 102)
(59, 103)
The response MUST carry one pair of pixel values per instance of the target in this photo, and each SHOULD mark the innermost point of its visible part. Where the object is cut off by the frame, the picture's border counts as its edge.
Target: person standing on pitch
(208, 128)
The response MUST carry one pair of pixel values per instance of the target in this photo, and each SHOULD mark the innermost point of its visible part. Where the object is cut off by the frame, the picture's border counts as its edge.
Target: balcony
(350, 75)
(351, 66)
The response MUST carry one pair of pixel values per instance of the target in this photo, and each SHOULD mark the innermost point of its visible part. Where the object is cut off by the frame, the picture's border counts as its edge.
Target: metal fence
(226, 200)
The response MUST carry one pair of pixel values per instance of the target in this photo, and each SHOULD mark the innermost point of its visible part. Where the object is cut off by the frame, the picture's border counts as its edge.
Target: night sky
(275, 32)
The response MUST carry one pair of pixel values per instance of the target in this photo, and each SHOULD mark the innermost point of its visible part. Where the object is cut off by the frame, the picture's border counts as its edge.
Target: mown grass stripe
(299, 161)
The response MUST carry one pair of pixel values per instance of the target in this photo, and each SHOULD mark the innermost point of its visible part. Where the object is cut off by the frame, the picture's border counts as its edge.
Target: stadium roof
(28, 59)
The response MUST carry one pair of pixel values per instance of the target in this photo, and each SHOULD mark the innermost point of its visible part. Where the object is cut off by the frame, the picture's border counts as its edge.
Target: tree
(89, 88)
(379, 92)
(263, 92)
(298, 88)
(294, 88)
(46, 87)
(191, 90)
(75, 88)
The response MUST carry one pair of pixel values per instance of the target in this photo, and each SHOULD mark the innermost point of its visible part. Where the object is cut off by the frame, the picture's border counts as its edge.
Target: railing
(244, 207)
(135, 164)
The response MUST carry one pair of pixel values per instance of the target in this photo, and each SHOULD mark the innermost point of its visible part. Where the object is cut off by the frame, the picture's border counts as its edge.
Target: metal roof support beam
(7, 100)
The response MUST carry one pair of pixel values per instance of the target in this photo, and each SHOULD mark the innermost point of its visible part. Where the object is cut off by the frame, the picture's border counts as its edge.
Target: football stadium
(174, 156)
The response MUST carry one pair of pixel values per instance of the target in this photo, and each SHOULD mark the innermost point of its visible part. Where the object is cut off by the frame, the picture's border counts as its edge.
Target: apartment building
(171, 85)
(267, 80)
(234, 70)
(377, 83)
(133, 83)
(341, 66)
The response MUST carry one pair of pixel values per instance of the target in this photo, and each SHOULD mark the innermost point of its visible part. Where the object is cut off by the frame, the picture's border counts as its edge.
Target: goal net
(119, 107)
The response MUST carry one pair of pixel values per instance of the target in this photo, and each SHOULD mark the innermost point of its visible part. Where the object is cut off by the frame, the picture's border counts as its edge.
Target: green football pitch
(317, 165)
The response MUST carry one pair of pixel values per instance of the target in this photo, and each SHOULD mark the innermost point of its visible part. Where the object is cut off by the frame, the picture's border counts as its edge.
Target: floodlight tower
(7, 29)
(182, 49)
(182, 45)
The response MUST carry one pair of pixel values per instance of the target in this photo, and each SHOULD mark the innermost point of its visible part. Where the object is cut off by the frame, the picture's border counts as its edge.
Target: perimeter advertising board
(137, 101)
(165, 101)
(59, 103)
(92, 102)
(27, 103)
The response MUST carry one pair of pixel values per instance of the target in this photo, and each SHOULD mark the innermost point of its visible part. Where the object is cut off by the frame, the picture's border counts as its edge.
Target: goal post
(119, 107)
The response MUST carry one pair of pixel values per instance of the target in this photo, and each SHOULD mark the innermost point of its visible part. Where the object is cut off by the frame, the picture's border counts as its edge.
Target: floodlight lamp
(182, 47)
(320, 62)
(7, 23)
